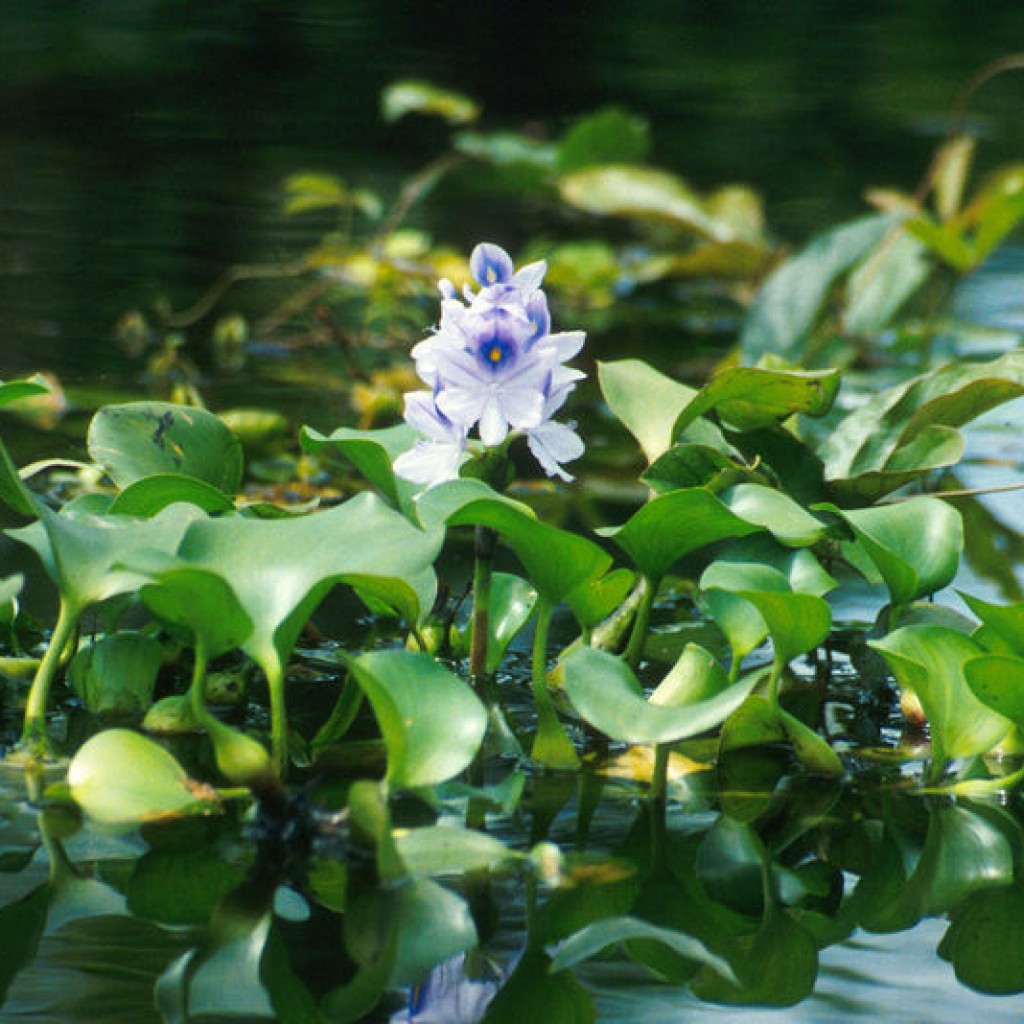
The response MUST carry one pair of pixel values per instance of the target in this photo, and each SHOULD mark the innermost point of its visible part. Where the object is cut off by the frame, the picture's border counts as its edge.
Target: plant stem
(485, 541)
(34, 740)
(551, 747)
(278, 717)
(638, 637)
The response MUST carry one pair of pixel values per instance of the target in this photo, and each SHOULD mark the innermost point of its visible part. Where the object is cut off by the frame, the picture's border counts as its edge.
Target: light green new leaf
(140, 439)
(116, 674)
(431, 721)
(438, 851)
(931, 661)
(880, 286)
(512, 602)
(997, 680)
(776, 512)
(152, 494)
(596, 599)
(121, 778)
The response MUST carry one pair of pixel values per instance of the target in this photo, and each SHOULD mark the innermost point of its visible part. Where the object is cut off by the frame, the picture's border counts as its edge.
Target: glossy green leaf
(797, 623)
(432, 722)
(731, 864)
(607, 695)
(139, 439)
(787, 307)
(930, 661)
(812, 751)
(596, 599)
(673, 525)
(121, 778)
(372, 452)
(152, 494)
(693, 465)
(556, 561)
(776, 512)
(648, 403)
(595, 938)
(610, 136)
(883, 283)
(750, 397)
(408, 97)
(82, 553)
(997, 680)
(911, 428)
(116, 674)
(915, 544)
(508, 150)
(281, 569)
(753, 724)
(1002, 625)
(512, 602)
(15, 390)
(448, 850)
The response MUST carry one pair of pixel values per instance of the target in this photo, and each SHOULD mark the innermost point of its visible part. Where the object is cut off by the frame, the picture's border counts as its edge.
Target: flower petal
(490, 264)
(554, 443)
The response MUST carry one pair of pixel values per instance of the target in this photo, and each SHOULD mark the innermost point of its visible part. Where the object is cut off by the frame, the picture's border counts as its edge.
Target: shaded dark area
(142, 143)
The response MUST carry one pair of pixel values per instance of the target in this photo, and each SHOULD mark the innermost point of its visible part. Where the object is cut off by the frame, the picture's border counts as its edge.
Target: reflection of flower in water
(449, 997)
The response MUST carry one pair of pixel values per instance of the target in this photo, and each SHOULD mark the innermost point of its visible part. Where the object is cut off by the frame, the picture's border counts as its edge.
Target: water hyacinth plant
(662, 667)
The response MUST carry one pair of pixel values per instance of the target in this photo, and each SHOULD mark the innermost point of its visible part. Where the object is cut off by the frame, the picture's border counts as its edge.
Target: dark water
(142, 143)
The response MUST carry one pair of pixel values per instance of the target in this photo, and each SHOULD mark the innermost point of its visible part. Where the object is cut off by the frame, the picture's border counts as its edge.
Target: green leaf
(595, 599)
(409, 97)
(750, 397)
(986, 940)
(372, 452)
(181, 887)
(607, 695)
(642, 193)
(533, 984)
(449, 850)
(512, 602)
(595, 938)
(693, 465)
(648, 403)
(311, 191)
(121, 778)
(787, 307)
(914, 544)
(776, 512)
(84, 555)
(140, 439)
(883, 283)
(610, 136)
(930, 661)
(998, 682)
(673, 525)
(152, 494)
(30, 387)
(797, 623)
(116, 674)
(507, 149)
(280, 569)
(1002, 625)
(431, 721)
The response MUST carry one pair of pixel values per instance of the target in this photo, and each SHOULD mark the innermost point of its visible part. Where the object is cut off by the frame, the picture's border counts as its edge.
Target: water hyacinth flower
(492, 365)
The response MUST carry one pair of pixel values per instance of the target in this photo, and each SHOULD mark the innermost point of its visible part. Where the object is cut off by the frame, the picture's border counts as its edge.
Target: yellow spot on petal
(494, 355)
(492, 275)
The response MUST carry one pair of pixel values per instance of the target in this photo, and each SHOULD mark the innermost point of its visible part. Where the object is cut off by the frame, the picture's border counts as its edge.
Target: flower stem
(485, 541)
(34, 741)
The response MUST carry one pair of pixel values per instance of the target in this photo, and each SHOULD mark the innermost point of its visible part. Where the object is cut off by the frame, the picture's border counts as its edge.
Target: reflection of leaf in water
(993, 547)
(97, 968)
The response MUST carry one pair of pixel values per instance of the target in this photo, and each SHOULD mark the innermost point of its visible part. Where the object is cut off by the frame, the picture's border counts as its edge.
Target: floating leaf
(121, 778)
(402, 98)
(142, 438)
(432, 722)
(152, 494)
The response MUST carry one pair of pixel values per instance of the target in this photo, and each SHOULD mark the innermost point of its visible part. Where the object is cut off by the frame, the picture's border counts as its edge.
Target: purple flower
(494, 365)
